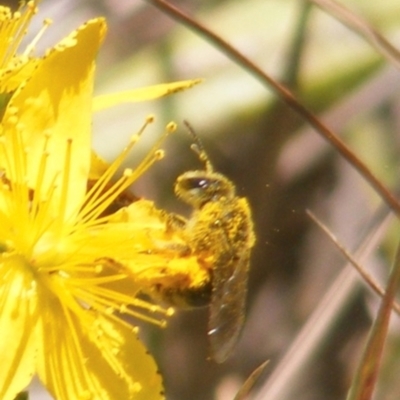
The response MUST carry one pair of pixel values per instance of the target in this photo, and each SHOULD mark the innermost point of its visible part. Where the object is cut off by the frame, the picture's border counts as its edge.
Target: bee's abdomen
(188, 297)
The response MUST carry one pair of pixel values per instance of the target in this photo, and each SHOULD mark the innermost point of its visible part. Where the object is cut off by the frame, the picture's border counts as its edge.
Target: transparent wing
(227, 307)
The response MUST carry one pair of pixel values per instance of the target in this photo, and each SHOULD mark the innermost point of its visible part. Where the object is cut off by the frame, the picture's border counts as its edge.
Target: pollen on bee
(135, 329)
(123, 308)
(109, 310)
(98, 269)
(170, 311)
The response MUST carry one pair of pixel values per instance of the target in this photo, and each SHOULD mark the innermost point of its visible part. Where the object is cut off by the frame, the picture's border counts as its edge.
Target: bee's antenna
(198, 147)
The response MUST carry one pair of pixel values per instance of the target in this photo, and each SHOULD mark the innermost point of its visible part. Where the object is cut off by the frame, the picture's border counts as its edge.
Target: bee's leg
(175, 227)
(175, 222)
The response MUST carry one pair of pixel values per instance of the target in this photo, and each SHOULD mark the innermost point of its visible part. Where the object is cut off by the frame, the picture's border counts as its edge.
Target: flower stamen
(14, 28)
(100, 185)
(37, 196)
(65, 185)
(31, 47)
(110, 302)
(100, 196)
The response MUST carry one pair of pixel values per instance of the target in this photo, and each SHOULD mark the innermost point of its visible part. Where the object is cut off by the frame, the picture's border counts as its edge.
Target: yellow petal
(98, 166)
(142, 94)
(94, 357)
(18, 321)
(56, 102)
(11, 79)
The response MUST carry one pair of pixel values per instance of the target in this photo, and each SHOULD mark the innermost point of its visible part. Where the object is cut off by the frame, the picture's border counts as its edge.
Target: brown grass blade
(367, 373)
(250, 381)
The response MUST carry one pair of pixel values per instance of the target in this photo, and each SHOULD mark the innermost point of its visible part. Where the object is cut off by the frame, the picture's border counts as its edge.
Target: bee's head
(197, 188)
(200, 187)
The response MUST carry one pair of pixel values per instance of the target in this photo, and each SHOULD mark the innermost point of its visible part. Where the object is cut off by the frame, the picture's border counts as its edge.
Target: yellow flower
(16, 68)
(70, 267)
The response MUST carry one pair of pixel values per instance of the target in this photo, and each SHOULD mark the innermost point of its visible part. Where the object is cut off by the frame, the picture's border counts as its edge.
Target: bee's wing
(227, 307)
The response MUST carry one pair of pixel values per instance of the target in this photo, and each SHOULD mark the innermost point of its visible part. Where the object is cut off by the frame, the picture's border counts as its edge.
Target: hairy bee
(220, 227)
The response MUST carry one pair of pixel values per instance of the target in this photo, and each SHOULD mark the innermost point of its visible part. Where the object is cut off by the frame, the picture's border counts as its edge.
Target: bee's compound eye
(199, 187)
(194, 183)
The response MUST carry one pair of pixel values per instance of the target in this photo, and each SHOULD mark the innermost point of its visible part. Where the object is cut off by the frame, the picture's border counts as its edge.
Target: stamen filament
(37, 196)
(111, 304)
(65, 184)
(99, 195)
(41, 219)
(30, 48)
(100, 185)
(97, 205)
(17, 30)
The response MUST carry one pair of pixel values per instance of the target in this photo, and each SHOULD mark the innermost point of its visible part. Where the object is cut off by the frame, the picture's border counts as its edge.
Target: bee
(219, 228)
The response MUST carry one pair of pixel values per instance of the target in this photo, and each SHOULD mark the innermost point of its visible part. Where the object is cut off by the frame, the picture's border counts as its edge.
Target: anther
(171, 127)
